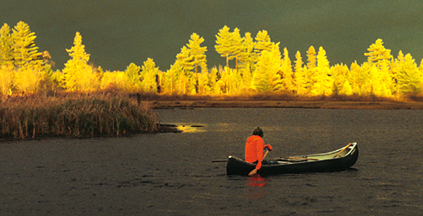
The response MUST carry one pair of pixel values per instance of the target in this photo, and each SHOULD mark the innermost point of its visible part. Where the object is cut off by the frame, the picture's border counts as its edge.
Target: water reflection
(256, 187)
(191, 128)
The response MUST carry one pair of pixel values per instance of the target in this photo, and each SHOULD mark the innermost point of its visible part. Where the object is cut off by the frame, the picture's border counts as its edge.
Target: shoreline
(318, 104)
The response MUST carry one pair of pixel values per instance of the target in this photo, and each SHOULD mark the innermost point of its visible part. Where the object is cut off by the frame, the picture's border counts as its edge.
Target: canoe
(338, 160)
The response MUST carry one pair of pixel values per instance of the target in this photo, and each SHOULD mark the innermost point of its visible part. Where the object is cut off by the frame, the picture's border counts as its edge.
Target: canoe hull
(237, 166)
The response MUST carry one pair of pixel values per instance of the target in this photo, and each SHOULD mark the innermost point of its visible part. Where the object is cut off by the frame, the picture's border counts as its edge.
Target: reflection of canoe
(337, 160)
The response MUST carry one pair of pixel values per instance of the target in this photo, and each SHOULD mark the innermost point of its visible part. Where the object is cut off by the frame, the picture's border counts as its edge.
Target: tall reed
(74, 115)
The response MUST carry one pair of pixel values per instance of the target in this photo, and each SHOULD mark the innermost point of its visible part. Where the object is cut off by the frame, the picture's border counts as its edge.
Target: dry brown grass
(74, 114)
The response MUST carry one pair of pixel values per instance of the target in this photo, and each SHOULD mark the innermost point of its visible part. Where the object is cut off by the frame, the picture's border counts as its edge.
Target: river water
(172, 174)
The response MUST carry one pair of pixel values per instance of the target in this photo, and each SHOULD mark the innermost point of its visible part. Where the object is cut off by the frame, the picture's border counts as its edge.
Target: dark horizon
(116, 33)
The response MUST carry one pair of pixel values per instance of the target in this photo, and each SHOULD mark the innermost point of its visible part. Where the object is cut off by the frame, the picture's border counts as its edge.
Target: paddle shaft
(342, 150)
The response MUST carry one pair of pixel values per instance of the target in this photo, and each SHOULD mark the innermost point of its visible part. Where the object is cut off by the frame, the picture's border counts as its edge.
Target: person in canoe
(254, 150)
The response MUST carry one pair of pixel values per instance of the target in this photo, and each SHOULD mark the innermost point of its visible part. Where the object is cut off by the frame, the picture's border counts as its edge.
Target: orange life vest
(254, 150)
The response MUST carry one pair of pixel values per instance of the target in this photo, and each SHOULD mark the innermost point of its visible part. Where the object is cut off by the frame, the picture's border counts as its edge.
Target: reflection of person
(254, 149)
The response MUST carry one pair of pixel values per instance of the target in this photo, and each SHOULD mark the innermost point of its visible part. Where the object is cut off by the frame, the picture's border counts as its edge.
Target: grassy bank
(77, 115)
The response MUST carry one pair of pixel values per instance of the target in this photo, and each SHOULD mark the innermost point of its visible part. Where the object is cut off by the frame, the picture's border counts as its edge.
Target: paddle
(342, 150)
(254, 171)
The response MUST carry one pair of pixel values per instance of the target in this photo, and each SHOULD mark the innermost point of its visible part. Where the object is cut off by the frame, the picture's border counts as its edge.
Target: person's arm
(259, 151)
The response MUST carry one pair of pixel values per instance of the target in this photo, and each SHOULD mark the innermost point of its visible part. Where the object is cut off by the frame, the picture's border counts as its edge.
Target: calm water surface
(172, 174)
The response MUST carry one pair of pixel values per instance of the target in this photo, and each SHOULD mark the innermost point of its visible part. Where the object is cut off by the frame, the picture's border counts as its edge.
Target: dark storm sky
(118, 32)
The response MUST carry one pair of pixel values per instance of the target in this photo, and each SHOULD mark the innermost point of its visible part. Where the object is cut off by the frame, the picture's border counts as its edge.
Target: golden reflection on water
(191, 128)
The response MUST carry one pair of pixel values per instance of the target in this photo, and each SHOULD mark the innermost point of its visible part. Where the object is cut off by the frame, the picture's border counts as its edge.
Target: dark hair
(258, 131)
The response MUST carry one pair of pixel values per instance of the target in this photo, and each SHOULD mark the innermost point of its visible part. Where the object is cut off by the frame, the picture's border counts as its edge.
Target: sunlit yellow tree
(6, 61)
(266, 76)
(341, 76)
(321, 79)
(311, 68)
(171, 78)
(24, 49)
(149, 72)
(224, 43)
(78, 75)
(197, 51)
(300, 75)
(134, 78)
(286, 72)
(409, 76)
(204, 82)
(263, 42)
(378, 54)
(6, 43)
(115, 79)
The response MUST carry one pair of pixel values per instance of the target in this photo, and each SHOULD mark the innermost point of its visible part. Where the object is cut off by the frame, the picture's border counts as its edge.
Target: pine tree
(246, 56)
(311, 68)
(237, 46)
(79, 76)
(198, 52)
(262, 42)
(341, 85)
(149, 72)
(300, 75)
(6, 43)
(223, 43)
(204, 82)
(267, 77)
(186, 60)
(409, 77)
(286, 72)
(378, 53)
(171, 78)
(322, 81)
(25, 51)
(355, 78)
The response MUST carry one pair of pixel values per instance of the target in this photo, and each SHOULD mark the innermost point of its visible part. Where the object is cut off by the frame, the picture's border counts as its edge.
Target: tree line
(253, 65)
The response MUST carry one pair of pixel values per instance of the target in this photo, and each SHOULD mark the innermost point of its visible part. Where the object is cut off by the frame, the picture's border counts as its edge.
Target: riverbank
(319, 104)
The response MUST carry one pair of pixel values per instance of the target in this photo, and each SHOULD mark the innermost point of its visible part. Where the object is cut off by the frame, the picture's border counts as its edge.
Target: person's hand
(253, 172)
(269, 147)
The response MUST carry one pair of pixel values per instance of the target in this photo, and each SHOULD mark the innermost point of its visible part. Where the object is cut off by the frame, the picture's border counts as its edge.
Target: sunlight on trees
(253, 65)
(78, 75)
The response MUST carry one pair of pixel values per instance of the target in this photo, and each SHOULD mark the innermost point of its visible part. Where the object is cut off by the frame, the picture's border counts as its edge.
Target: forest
(254, 65)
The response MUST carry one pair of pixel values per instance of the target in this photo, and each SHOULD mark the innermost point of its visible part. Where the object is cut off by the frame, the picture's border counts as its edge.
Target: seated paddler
(254, 150)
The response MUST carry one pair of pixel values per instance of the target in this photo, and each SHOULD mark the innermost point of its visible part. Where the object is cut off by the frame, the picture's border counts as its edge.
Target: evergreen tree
(196, 51)
(311, 68)
(79, 76)
(246, 56)
(355, 78)
(149, 72)
(186, 60)
(237, 46)
(6, 43)
(24, 50)
(204, 82)
(300, 75)
(267, 77)
(322, 81)
(171, 78)
(341, 85)
(409, 78)
(286, 72)
(262, 43)
(223, 43)
(378, 53)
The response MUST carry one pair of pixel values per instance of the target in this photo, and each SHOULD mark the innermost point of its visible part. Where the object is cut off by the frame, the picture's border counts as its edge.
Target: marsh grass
(74, 114)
